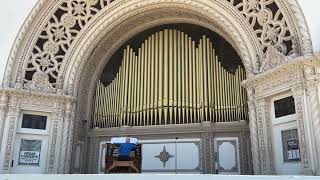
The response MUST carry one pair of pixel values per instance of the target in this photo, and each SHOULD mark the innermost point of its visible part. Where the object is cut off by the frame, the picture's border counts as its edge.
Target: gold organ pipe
(198, 86)
(133, 74)
(224, 79)
(149, 81)
(108, 100)
(194, 82)
(98, 104)
(129, 88)
(123, 74)
(170, 81)
(126, 87)
(138, 107)
(190, 80)
(102, 107)
(201, 81)
(183, 76)
(135, 92)
(145, 84)
(179, 77)
(205, 77)
(152, 80)
(228, 84)
(106, 105)
(111, 104)
(160, 100)
(231, 96)
(237, 95)
(119, 97)
(156, 79)
(142, 80)
(175, 75)
(214, 87)
(234, 90)
(209, 78)
(186, 74)
(166, 77)
(219, 88)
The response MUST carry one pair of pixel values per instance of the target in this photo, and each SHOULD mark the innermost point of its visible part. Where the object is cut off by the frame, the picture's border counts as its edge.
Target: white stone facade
(61, 50)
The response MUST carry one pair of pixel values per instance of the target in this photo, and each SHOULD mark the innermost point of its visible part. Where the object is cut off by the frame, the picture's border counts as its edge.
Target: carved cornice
(25, 94)
(289, 73)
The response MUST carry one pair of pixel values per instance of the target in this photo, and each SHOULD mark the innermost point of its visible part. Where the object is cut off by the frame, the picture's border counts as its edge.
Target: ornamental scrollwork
(56, 38)
(268, 22)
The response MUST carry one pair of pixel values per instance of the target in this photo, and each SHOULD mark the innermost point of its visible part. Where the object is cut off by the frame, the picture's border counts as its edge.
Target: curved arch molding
(40, 57)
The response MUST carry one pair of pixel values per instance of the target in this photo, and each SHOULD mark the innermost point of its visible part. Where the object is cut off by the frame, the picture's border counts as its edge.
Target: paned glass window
(34, 121)
(284, 107)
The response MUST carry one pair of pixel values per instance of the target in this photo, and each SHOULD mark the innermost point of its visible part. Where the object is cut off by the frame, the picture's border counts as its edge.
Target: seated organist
(123, 154)
(125, 149)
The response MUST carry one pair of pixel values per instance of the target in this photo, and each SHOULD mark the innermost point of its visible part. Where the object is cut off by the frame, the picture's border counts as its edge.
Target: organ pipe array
(170, 80)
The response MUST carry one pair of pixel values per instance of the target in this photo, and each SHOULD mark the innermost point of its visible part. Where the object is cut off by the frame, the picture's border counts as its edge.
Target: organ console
(170, 80)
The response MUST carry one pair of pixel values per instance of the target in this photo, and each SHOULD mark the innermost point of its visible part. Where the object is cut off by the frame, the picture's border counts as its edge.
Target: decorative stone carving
(63, 26)
(9, 134)
(298, 93)
(254, 135)
(44, 55)
(313, 99)
(40, 82)
(3, 111)
(265, 142)
(273, 59)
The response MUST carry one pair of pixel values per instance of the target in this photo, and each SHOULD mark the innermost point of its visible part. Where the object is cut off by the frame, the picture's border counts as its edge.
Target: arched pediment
(56, 39)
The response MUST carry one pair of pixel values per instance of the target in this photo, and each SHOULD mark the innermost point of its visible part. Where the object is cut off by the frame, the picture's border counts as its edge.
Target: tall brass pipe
(179, 76)
(156, 98)
(170, 81)
(175, 76)
(194, 83)
(189, 74)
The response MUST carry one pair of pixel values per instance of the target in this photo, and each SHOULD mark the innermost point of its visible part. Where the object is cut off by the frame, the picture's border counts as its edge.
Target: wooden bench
(129, 164)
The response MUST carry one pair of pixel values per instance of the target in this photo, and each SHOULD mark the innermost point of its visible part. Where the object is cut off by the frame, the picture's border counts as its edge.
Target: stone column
(9, 133)
(303, 128)
(3, 111)
(313, 101)
(207, 153)
(254, 134)
(245, 153)
(93, 155)
(55, 138)
(70, 141)
(65, 139)
(264, 136)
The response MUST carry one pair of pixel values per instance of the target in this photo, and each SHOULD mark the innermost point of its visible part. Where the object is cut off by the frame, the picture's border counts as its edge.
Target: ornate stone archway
(65, 44)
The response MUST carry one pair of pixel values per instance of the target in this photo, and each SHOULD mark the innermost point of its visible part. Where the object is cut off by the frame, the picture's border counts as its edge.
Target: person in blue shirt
(125, 149)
